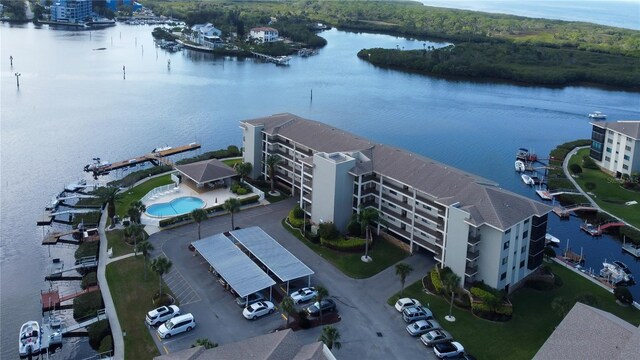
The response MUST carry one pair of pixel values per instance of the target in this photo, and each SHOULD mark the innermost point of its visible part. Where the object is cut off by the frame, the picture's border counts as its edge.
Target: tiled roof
(590, 333)
(207, 170)
(486, 202)
(263, 28)
(629, 128)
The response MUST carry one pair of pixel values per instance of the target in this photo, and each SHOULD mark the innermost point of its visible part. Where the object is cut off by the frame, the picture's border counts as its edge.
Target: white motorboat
(527, 179)
(550, 239)
(597, 115)
(159, 149)
(519, 165)
(29, 339)
(616, 275)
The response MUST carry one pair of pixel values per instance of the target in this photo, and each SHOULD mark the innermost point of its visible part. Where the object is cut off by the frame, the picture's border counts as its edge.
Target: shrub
(230, 151)
(575, 169)
(98, 332)
(314, 238)
(242, 191)
(589, 185)
(87, 249)
(328, 231)
(354, 228)
(294, 221)
(249, 200)
(106, 344)
(436, 281)
(89, 279)
(351, 244)
(588, 163)
(297, 212)
(480, 293)
(87, 305)
(623, 295)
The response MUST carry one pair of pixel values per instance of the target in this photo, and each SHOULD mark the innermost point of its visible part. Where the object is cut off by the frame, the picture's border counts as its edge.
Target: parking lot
(369, 328)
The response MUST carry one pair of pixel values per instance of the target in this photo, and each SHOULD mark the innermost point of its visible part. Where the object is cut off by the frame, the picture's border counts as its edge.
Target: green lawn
(132, 297)
(609, 194)
(384, 254)
(138, 192)
(115, 241)
(232, 162)
(533, 318)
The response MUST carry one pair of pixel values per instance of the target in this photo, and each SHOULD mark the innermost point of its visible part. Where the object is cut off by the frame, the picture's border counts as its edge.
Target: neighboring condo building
(615, 146)
(70, 10)
(264, 34)
(482, 232)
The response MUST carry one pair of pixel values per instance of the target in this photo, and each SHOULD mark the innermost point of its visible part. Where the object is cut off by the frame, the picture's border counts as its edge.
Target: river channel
(74, 104)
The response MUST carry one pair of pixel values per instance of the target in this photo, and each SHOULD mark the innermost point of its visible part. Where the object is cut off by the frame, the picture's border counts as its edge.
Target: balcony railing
(473, 240)
(471, 270)
(430, 203)
(399, 231)
(398, 189)
(397, 202)
(472, 253)
(438, 221)
(429, 246)
(428, 230)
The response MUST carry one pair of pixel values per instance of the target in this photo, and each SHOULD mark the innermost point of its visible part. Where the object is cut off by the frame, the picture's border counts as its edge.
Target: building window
(629, 139)
(610, 132)
(628, 148)
(521, 264)
(523, 249)
(525, 234)
(508, 231)
(625, 167)
(506, 245)
(503, 276)
(606, 158)
(610, 140)
(526, 221)
(626, 157)
(392, 192)
(427, 207)
(608, 149)
(504, 260)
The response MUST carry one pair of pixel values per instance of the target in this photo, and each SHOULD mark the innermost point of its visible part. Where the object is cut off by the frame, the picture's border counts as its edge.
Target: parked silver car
(416, 313)
(422, 326)
(435, 337)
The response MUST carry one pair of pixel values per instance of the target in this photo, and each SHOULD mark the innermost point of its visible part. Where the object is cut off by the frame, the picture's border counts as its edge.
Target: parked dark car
(326, 306)
(253, 298)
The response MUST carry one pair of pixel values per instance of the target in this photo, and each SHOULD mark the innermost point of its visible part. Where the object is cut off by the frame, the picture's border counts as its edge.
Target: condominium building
(70, 10)
(615, 146)
(482, 232)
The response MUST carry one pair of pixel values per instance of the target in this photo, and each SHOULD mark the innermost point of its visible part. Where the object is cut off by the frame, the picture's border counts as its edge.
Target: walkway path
(565, 168)
(116, 330)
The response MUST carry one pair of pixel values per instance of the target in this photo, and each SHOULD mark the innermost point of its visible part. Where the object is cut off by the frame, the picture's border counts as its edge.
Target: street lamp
(18, 79)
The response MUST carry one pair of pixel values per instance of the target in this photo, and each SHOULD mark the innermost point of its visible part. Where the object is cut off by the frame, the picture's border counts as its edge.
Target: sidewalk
(116, 330)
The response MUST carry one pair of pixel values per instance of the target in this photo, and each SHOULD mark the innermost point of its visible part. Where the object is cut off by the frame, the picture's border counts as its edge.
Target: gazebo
(212, 173)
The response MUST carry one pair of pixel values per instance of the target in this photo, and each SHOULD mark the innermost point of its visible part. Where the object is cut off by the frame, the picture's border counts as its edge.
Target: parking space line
(165, 349)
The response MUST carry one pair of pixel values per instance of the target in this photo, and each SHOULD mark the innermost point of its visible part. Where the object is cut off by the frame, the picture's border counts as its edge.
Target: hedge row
(87, 249)
(136, 176)
(480, 293)
(98, 332)
(436, 281)
(210, 210)
(351, 244)
(90, 279)
(294, 220)
(87, 305)
(230, 151)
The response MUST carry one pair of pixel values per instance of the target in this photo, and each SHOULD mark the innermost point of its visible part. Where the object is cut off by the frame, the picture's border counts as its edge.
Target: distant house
(113, 4)
(615, 146)
(590, 333)
(72, 11)
(206, 34)
(264, 34)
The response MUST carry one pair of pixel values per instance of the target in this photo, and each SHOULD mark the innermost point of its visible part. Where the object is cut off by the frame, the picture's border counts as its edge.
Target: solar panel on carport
(273, 255)
(240, 272)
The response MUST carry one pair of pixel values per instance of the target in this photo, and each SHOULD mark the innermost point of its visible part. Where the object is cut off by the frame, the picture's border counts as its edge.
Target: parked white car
(405, 303)
(448, 349)
(160, 315)
(303, 295)
(258, 309)
(177, 325)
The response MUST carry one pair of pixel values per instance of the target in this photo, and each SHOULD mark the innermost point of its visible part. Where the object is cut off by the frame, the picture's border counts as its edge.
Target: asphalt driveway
(370, 329)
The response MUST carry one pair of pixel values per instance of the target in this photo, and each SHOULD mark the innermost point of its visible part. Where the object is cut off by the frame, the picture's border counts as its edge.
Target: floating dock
(278, 60)
(564, 212)
(52, 299)
(631, 249)
(102, 169)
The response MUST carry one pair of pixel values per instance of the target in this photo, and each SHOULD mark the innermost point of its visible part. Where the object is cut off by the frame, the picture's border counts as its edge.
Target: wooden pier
(564, 212)
(153, 157)
(52, 300)
(278, 60)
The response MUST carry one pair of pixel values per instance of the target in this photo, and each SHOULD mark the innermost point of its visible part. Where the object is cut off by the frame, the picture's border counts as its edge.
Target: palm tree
(199, 215)
(366, 217)
(109, 195)
(232, 205)
(134, 231)
(272, 162)
(288, 307)
(402, 270)
(243, 169)
(161, 266)
(331, 337)
(135, 211)
(322, 293)
(450, 282)
(145, 247)
(206, 343)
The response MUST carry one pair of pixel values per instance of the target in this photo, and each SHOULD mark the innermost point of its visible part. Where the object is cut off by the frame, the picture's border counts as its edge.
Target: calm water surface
(73, 104)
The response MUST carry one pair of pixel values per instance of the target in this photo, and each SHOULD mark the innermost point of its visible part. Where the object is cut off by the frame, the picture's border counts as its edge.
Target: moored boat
(519, 165)
(527, 179)
(597, 115)
(29, 338)
(552, 240)
(616, 275)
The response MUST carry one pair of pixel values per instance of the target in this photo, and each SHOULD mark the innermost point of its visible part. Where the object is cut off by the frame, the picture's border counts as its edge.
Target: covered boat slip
(271, 254)
(240, 272)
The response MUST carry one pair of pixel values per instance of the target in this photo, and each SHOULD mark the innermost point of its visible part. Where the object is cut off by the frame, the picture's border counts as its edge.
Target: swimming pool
(179, 206)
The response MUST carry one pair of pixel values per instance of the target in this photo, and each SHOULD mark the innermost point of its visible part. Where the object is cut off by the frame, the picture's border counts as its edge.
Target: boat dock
(53, 329)
(153, 157)
(52, 299)
(88, 262)
(597, 231)
(633, 250)
(564, 212)
(54, 238)
(278, 60)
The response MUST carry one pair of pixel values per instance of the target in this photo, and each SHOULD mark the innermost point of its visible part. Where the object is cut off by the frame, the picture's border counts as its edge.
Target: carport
(240, 272)
(271, 254)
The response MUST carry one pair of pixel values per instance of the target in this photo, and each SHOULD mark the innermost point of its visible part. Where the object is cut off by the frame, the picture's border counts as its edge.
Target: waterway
(74, 103)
